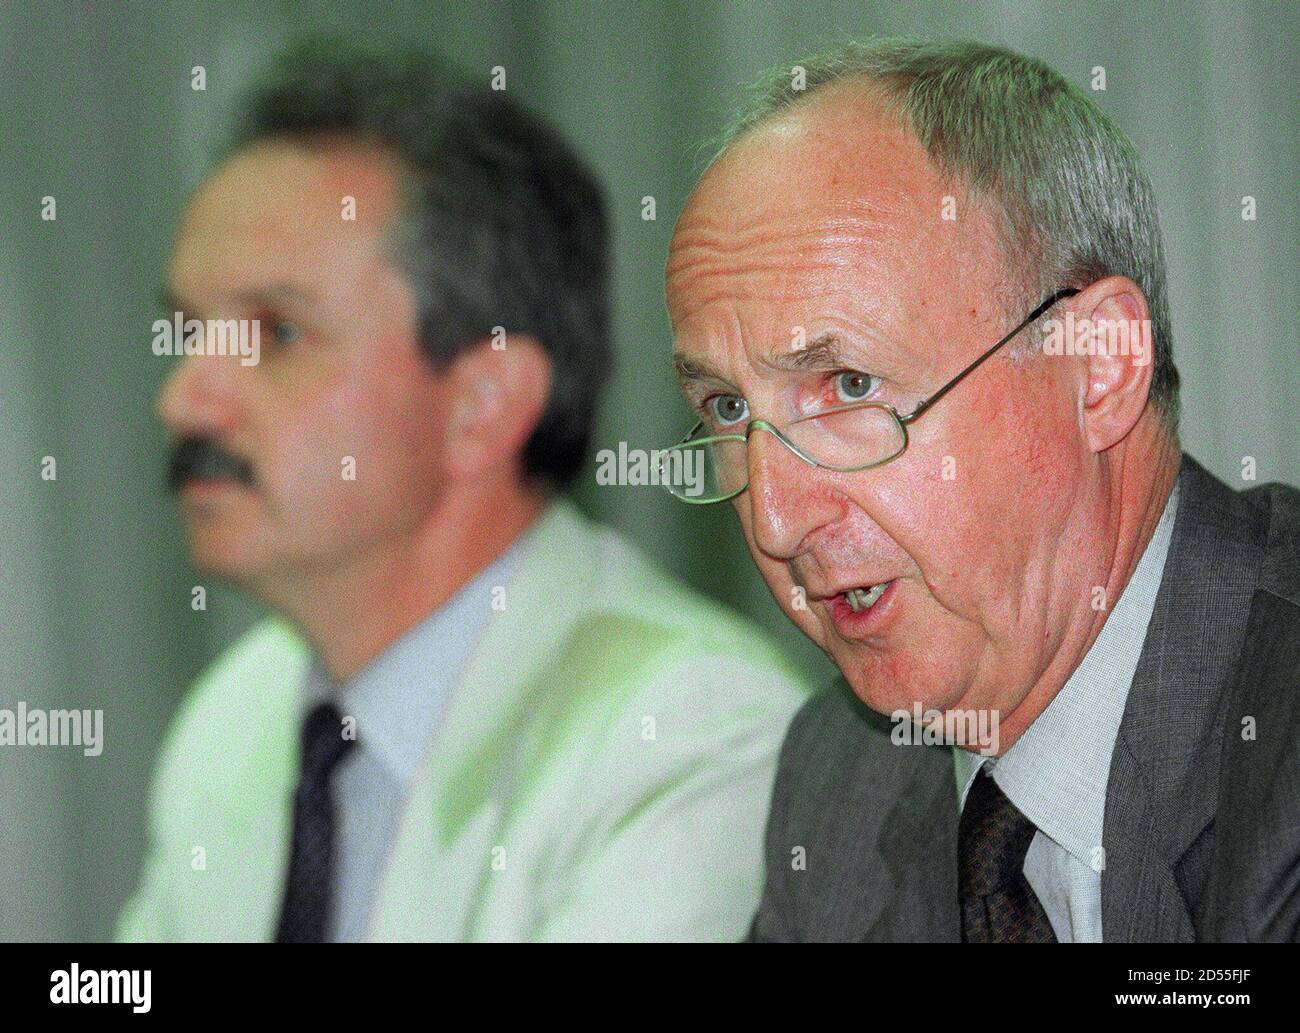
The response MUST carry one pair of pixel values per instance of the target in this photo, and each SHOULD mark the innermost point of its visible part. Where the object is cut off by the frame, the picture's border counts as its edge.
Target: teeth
(864, 598)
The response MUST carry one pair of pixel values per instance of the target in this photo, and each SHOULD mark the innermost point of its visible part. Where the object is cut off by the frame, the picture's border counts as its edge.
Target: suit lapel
(1163, 785)
(437, 879)
(244, 819)
(918, 845)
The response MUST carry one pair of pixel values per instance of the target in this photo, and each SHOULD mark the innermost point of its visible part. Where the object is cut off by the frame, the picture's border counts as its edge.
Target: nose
(200, 396)
(787, 497)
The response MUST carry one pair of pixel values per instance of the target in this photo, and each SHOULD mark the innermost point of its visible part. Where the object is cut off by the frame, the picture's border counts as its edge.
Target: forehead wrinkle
(707, 262)
(836, 221)
(692, 368)
(701, 278)
(817, 244)
(724, 291)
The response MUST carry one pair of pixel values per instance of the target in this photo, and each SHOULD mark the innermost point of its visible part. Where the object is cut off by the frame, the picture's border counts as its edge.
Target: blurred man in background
(475, 715)
(1087, 645)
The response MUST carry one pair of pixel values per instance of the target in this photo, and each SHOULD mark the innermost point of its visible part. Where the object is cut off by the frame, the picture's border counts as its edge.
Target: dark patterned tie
(304, 917)
(997, 903)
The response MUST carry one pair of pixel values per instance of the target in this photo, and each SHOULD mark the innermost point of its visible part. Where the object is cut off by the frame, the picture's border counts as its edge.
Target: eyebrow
(691, 370)
(822, 353)
(825, 352)
(276, 293)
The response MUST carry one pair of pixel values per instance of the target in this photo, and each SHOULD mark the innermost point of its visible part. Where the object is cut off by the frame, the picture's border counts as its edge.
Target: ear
(498, 391)
(1117, 351)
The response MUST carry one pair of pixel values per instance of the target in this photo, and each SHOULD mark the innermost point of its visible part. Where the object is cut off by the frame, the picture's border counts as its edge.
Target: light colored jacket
(602, 771)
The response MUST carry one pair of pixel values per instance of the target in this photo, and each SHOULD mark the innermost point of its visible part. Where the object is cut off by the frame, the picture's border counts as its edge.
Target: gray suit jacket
(1202, 824)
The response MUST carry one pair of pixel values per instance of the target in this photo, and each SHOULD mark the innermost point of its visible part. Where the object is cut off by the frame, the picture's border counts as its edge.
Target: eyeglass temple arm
(1060, 295)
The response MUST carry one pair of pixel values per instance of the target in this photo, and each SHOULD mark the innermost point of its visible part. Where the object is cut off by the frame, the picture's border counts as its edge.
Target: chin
(889, 682)
(227, 556)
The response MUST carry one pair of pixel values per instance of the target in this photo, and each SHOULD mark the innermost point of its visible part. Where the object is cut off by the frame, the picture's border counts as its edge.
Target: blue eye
(851, 386)
(728, 409)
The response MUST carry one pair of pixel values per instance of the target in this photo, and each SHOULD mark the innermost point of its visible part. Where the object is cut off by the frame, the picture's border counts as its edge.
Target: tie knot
(995, 838)
(323, 743)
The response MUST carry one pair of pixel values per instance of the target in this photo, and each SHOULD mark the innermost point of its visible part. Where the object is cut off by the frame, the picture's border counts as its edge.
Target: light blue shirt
(1056, 772)
(396, 700)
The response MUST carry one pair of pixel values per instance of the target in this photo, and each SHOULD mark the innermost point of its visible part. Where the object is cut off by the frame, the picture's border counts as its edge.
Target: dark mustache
(204, 459)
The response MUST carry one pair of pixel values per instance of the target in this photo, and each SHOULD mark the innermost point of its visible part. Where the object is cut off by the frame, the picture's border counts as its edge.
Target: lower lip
(851, 624)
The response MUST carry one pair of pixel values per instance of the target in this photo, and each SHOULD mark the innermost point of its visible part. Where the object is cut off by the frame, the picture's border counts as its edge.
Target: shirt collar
(1056, 772)
(398, 698)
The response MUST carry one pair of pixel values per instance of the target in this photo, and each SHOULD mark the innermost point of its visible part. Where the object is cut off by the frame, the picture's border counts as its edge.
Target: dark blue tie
(304, 917)
(997, 903)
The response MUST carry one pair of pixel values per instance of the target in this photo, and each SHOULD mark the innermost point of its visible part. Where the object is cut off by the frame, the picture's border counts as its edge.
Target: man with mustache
(971, 520)
(475, 715)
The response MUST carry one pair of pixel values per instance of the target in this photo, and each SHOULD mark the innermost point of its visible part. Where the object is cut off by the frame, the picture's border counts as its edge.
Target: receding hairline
(860, 92)
(859, 89)
(862, 97)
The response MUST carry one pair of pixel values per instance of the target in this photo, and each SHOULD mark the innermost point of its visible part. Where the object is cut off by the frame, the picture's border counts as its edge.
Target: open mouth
(864, 610)
(860, 599)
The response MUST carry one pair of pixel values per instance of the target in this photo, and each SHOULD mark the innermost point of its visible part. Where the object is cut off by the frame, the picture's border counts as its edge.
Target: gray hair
(1064, 185)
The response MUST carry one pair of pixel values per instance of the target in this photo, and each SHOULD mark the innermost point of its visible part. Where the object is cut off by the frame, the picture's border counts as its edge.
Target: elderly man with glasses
(904, 224)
